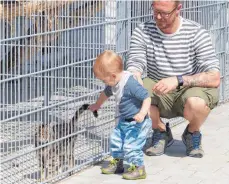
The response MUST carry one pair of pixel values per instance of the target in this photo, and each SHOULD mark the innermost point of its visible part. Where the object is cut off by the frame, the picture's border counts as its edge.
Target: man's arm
(210, 79)
(138, 76)
(207, 67)
(137, 62)
(207, 62)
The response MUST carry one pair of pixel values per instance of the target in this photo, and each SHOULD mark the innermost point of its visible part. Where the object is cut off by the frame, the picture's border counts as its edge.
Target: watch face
(180, 80)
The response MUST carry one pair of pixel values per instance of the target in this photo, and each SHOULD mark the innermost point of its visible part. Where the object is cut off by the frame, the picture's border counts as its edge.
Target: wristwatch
(180, 81)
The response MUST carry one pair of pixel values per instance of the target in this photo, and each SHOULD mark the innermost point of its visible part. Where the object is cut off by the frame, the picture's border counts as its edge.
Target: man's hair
(107, 63)
(175, 1)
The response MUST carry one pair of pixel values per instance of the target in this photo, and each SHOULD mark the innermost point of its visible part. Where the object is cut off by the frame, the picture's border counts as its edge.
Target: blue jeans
(128, 139)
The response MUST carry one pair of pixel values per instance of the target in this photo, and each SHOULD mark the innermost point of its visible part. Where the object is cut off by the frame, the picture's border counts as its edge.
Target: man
(183, 74)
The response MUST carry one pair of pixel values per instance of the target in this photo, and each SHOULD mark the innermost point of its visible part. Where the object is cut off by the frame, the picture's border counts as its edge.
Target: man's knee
(198, 97)
(194, 105)
(194, 100)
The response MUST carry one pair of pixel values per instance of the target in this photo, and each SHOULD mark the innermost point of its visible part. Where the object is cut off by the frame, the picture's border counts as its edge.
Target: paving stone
(175, 167)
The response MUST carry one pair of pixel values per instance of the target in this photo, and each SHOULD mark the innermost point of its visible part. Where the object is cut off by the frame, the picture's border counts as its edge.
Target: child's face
(109, 80)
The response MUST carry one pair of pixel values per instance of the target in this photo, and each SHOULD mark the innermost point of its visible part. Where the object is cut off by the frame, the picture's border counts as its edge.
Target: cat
(54, 158)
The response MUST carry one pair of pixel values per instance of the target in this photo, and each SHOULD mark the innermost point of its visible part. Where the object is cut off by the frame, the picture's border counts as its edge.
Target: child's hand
(93, 107)
(139, 117)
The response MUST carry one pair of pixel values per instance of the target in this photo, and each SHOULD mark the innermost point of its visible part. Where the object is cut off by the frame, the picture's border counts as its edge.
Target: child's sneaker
(135, 173)
(115, 167)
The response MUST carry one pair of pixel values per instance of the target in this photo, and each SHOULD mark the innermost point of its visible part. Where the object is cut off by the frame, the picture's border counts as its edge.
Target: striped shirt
(186, 52)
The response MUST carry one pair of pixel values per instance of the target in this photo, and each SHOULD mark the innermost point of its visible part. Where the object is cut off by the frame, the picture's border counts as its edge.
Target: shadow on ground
(177, 149)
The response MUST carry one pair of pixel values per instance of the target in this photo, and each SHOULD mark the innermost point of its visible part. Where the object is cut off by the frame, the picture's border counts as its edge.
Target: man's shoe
(192, 142)
(161, 140)
(135, 173)
(115, 167)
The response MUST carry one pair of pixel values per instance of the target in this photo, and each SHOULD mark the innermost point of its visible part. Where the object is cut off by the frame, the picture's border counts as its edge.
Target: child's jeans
(127, 141)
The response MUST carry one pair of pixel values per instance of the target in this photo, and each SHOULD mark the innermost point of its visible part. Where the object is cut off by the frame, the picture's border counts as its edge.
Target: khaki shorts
(172, 104)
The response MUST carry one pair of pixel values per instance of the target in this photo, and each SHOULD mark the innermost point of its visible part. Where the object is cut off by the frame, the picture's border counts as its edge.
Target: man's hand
(137, 76)
(139, 79)
(139, 117)
(93, 107)
(166, 85)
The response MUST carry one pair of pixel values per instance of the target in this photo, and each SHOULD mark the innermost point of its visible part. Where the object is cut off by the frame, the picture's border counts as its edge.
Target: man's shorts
(172, 104)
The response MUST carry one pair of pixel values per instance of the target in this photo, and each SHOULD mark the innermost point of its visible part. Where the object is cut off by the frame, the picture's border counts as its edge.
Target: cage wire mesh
(47, 49)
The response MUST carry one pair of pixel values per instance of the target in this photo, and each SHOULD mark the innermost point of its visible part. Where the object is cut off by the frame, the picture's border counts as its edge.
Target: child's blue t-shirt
(129, 95)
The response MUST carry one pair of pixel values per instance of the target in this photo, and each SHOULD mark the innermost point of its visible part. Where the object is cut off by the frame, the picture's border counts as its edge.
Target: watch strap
(180, 81)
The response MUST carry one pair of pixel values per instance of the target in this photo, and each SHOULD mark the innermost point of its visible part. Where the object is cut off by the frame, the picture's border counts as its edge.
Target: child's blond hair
(107, 63)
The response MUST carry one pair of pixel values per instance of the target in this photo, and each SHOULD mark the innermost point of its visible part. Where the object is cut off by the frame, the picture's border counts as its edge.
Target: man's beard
(165, 25)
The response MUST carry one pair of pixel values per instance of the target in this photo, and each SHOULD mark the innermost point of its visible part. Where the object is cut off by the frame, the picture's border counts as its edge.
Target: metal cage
(47, 49)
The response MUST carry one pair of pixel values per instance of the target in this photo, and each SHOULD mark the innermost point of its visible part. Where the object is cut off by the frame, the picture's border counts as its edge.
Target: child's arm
(139, 92)
(102, 98)
(139, 117)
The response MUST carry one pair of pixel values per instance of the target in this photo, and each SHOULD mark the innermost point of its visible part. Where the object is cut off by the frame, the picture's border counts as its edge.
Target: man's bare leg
(195, 111)
(156, 120)
(162, 138)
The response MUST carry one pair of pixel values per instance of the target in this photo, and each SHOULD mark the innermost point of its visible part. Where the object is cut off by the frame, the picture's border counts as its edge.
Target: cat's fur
(55, 157)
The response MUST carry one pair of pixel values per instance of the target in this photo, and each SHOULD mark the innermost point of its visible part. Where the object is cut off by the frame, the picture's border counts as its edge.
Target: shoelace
(196, 141)
(132, 168)
(156, 138)
(113, 162)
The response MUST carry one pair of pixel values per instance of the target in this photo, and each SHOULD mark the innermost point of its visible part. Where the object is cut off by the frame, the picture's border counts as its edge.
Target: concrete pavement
(175, 167)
